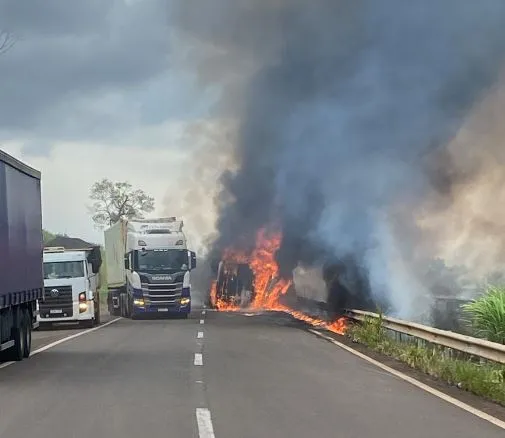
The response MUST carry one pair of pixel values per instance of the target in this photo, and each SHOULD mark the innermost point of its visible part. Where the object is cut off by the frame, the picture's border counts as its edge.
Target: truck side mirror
(193, 259)
(126, 263)
(95, 259)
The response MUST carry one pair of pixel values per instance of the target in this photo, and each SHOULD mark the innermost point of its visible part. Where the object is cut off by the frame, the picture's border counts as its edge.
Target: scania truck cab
(148, 268)
(71, 286)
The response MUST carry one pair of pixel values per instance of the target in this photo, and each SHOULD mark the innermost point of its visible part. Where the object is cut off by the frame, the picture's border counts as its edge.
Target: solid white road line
(68, 338)
(6, 364)
(198, 359)
(204, 421)
(199, 335)
(420, 385)
(202, 321)
(62, 340)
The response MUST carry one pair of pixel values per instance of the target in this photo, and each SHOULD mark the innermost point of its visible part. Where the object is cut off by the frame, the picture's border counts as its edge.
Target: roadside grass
(485, 379)
(486, 314)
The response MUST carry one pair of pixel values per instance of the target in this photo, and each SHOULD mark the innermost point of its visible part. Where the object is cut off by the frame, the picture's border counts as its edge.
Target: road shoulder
(486, 406)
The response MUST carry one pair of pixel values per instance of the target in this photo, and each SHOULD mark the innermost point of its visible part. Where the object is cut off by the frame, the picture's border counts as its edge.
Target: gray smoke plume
(345, 111)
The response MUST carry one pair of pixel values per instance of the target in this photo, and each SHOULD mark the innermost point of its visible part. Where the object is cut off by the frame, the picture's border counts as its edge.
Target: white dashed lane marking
(61, 341)
(204, 421)
(198, 359)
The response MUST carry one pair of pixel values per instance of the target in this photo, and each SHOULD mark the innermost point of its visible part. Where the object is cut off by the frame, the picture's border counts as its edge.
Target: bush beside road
(486, 315)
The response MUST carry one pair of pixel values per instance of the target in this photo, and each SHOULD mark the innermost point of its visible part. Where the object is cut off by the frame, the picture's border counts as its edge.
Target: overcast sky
(99, 88)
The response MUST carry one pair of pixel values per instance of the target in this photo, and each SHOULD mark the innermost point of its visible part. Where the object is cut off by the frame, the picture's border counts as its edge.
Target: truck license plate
(55, 311)
(163, 309)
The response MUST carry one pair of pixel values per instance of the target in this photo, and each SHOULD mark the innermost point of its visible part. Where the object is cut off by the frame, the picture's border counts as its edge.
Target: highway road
(215, 375)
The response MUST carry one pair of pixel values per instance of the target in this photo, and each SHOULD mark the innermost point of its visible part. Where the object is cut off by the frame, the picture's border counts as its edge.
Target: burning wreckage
(252, 281)
(234, 284)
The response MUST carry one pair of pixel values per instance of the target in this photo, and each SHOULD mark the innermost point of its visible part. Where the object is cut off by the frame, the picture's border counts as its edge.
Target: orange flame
(267, 284)
(221, 304)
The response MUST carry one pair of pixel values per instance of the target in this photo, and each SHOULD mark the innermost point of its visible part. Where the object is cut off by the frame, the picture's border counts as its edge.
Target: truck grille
(57, 301)
(163, 294)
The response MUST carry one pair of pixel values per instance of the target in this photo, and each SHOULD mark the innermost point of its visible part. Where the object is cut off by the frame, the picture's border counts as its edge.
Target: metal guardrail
(467, 344)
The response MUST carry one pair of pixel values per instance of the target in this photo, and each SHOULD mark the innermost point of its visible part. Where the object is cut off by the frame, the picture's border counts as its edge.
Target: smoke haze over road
(353, 122)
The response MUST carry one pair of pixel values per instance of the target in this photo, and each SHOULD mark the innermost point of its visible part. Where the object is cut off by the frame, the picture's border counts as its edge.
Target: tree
(6, 41)
(116, 200)
(48, 236)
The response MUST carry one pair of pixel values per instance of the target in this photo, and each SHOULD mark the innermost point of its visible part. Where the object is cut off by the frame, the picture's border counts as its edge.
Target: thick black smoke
(342, 108)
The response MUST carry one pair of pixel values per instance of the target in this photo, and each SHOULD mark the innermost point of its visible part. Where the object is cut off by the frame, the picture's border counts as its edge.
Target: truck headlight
(82, 296)
(185, 301)
(138, 302)
(83, 307)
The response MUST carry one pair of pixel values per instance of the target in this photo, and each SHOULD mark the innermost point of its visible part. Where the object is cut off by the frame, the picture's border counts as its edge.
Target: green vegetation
(486, 314)
(483, 379)
(47, 236)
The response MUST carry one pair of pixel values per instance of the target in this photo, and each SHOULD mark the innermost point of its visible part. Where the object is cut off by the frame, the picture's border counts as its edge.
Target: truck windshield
(163, 260)
(54, 270)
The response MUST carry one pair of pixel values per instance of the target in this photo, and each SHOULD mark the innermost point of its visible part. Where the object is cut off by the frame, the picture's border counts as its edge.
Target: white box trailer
(148, 267)
(115, 250)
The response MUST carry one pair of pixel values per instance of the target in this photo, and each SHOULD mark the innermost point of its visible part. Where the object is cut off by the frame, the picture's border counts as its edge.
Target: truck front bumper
(148, 308)
(72, 314)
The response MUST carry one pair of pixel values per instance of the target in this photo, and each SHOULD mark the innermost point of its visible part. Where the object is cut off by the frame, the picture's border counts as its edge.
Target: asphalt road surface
(215, 375)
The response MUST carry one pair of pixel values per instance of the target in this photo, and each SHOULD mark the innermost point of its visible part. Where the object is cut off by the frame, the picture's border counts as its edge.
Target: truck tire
(97, 311)
(129, 311)
(124, 306)
(88, 323)
(28, 334)
(16, 353)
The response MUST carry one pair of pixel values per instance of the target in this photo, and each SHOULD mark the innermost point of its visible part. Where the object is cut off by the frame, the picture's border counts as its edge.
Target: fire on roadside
(268, 286)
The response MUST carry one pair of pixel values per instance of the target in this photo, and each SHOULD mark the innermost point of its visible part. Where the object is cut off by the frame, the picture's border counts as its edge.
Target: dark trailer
(21, 256)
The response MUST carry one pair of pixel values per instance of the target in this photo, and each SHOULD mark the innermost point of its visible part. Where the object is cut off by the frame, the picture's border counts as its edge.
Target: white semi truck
(71, 286)
(148, 267)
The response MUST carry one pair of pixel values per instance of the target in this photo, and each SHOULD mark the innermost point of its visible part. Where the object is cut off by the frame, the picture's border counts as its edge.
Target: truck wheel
(129, 311)
(97, 313)
(28, 334)
(87, 323)
(124, 307)
(16, 353)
